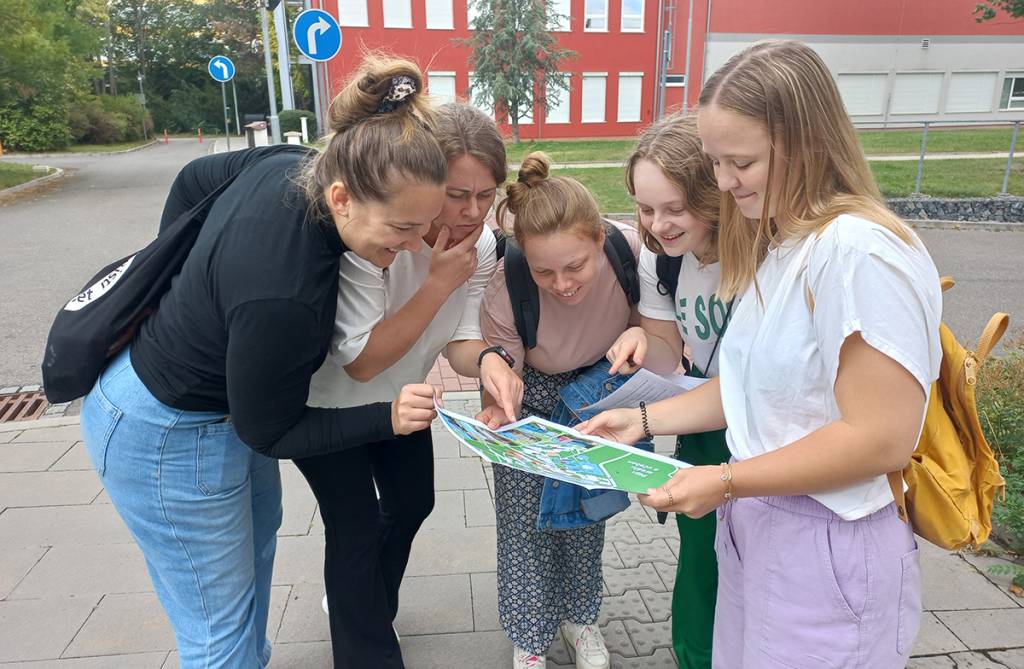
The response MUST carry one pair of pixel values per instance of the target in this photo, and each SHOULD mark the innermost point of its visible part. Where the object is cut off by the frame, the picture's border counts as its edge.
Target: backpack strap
(896, 485)
(500, 240)
(522, 292)
(623, 262)
(668, 268)
(991, 335)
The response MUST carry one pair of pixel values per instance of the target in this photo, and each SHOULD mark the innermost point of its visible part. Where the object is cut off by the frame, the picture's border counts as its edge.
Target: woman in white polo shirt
(391, 326)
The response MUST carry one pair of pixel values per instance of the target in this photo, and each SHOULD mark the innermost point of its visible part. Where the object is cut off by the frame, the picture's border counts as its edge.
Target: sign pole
(224, 98)
(238, 123)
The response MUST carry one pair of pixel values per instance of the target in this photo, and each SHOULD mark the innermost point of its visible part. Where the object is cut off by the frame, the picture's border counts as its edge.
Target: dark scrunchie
(401, 91)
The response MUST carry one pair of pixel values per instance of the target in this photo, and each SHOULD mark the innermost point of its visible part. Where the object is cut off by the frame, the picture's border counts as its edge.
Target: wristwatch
(500, 350)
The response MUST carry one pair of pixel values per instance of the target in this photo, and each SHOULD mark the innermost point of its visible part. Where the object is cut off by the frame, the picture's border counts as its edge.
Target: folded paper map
(541, 447)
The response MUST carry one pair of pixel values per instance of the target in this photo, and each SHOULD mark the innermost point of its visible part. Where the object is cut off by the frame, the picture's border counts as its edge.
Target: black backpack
(667, 268)
(522, 290)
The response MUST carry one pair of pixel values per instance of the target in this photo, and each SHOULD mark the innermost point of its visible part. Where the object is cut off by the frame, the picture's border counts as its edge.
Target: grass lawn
(12, 174)
(876, 142)
(946, 178)
(105, 148)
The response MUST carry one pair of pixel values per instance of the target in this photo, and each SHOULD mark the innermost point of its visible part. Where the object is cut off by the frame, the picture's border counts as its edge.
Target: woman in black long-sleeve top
(184, 427)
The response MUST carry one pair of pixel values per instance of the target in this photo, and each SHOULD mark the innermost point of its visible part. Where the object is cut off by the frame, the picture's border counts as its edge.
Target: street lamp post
(142, 101)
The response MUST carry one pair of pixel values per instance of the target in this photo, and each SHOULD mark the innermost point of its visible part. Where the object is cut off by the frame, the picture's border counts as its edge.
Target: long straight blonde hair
(786, 87)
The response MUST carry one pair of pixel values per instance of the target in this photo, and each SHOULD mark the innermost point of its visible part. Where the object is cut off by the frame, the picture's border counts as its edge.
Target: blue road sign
(221, 68)
(317, 35)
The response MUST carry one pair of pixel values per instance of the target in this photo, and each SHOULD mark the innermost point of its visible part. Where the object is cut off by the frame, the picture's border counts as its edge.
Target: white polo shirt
(367, 295)
(779, 359)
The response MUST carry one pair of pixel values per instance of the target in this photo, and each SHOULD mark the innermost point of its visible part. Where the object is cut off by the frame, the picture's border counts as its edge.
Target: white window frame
(603, 76)
(400, 5)
(622, 18)
(564, 102)
(932, 75)
(587, 17)
(886, 86)
(443, 75)
(449, 22)
(353, 19)
(1011, 77)
(639, 98)
(564, 23)
(983, 105)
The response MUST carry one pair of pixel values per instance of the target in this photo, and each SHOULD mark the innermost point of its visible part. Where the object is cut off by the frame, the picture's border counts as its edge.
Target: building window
(863, 94)
(675, 80)
(559, 19)
(970, 92)
(632, 16)
(593, 97)
(595, 16)
(397, 13)
(353, 13)
(630, 95)
(477, 99)
(916, 93)
(441, 86)
(439, 15)
(472, 11)
(1013, 92)
(558, 102)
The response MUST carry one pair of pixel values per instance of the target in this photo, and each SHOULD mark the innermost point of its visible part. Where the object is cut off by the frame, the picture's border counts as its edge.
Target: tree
(515, 59)
(987, 10)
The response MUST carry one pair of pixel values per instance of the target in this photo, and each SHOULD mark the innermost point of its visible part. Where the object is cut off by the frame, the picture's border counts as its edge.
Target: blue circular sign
(221, 68)
(317, 35)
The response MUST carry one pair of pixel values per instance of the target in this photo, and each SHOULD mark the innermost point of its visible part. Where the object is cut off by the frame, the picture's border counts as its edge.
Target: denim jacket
(564, 506)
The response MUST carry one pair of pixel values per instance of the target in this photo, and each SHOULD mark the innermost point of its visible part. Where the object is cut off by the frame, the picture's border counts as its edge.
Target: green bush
(39, 125)
(1000, 396)
(289, 119)
(105, 119)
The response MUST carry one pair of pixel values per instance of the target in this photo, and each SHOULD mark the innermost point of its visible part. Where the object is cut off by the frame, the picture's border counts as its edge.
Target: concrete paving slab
(616, 638)
(648, 637)
(934, 637)
(443, 651)
(40, 629)
(132, 661)
(76, 459)
(648, 532)
(449, 511)
(667, 572)
(297, 501)
(1000, 578)
(31, 457)
(15, 564)
(661, 659)
(304, 618)
(435, 605)
(128, 623)
(459, 474)
(659, 604)
(301, 655)
(558, 654)
(1012, 659)
(479, 508)
(980, 630)
(619, 532)
(635, 554)
(464, 551)
(61, 525)
(609, 557)
(950, 583)
(102, 498)
(933, 662)
(445, 447)
(6, 437)
(627, 606)
(38, 489)
(299, 559)
(973, 660)
(90, 570)
(634, 513)
(635, 578)
(70, 433)
(484, 589)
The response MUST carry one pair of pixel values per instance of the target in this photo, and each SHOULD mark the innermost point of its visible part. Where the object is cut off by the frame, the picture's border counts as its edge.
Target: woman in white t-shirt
(391, 325)
(677, 204)
(824, 378)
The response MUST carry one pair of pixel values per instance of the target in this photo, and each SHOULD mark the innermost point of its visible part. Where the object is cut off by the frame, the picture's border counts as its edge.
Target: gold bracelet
(727, 477)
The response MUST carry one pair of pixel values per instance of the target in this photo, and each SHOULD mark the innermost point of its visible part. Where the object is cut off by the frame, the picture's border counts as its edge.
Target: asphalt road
(52, 240)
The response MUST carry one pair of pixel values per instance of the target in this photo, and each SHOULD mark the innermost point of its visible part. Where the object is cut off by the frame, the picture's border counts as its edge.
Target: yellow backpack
(953, 477)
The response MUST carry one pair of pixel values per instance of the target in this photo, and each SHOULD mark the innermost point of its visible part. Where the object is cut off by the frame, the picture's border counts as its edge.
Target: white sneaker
(591, 651)
(327, 610)
(523, 660)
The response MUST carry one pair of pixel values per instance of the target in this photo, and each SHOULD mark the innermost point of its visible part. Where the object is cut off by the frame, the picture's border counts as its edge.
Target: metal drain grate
(22, 406)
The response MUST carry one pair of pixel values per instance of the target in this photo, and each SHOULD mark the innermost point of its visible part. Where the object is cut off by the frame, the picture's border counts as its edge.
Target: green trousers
(693, 599)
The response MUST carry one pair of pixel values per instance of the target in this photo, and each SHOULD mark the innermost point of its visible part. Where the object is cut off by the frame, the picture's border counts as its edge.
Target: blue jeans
(564, 506)
(203, 507)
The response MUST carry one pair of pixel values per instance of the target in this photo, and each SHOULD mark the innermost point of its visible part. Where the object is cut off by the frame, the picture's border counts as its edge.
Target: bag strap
(896, 485)
(667, 268)
(500, 241)
(718, 339)
(522, 293)
(623, 262)
(991, 335)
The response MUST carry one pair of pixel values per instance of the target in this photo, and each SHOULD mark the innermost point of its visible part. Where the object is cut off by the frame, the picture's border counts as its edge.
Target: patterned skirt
(544, 577)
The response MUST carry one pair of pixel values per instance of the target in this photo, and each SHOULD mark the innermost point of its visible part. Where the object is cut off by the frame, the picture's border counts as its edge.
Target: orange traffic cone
(200, 135)
(167, 140)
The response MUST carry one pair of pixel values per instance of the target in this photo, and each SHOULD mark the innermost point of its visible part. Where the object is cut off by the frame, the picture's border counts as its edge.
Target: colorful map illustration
(541, 447)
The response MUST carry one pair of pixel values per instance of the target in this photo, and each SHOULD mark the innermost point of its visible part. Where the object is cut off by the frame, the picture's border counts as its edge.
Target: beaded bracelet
(643, 418)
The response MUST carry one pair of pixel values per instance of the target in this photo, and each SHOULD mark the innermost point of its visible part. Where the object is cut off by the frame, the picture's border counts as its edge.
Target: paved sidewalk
(74, 593)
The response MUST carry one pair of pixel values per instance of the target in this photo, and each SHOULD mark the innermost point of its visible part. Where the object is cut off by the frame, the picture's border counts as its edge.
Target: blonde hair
(786, 87)
(673, 144)
(370, 147)
(543, 204)
(464, 130)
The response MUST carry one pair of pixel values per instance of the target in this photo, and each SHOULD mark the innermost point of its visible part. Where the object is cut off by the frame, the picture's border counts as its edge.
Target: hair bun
(534, 169)
(368, 90)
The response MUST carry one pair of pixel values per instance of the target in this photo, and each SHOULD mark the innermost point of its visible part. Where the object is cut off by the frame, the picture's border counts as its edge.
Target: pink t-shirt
(568, 336)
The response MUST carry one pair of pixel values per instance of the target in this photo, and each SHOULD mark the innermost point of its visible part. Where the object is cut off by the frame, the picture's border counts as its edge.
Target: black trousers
(368, 540)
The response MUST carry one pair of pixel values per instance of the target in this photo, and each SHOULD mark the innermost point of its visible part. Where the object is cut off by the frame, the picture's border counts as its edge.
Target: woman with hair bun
(550, 534)
(186, 425)
(390, 328)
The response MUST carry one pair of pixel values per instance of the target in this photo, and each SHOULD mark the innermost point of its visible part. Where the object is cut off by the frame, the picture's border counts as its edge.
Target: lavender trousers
(799, 587)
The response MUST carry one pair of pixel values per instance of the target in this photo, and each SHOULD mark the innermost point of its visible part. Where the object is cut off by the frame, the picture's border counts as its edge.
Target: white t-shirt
(367, 295)
(779, 359)
(700, 316)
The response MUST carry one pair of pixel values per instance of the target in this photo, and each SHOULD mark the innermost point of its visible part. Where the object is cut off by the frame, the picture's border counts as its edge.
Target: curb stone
(57, 173)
